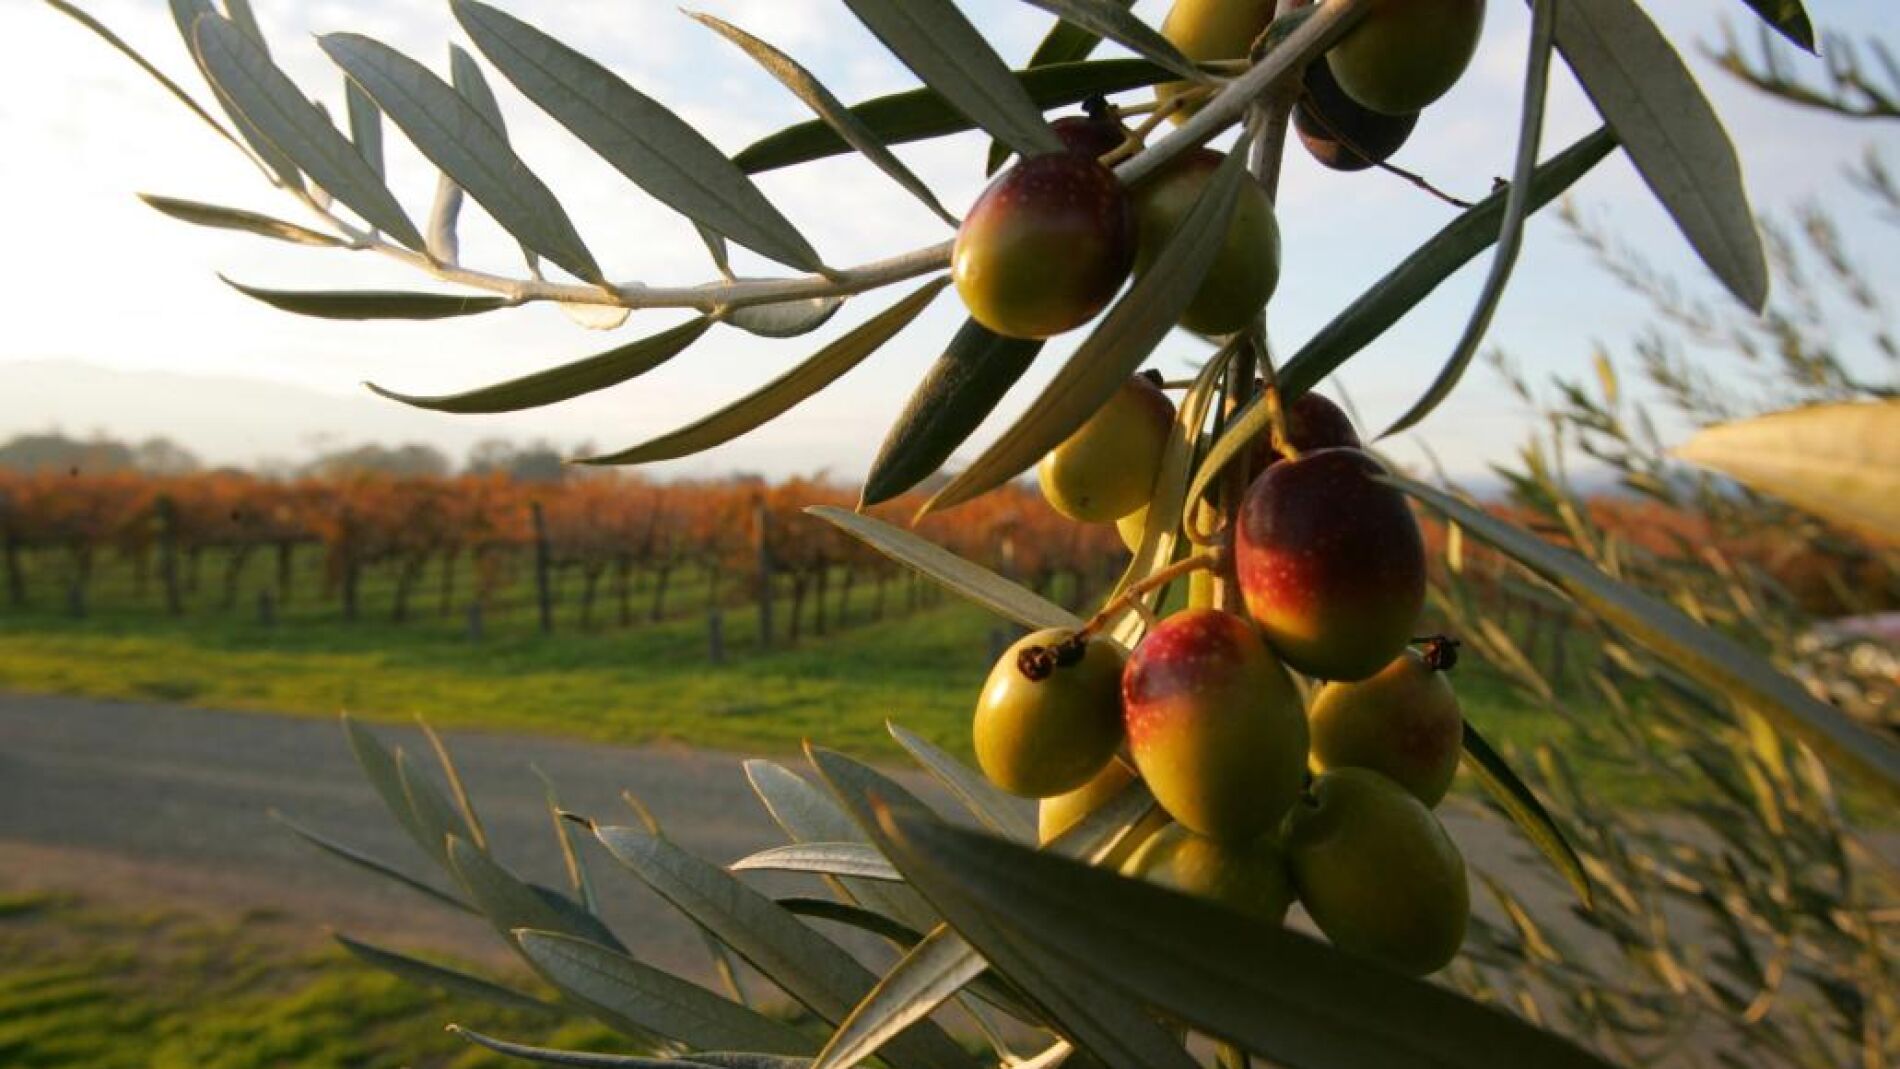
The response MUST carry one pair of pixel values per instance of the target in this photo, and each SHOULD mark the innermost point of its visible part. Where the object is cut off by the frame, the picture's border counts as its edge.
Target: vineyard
(487, 552)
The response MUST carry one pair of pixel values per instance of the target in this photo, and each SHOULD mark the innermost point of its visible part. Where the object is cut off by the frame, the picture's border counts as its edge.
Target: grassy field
(83, 985)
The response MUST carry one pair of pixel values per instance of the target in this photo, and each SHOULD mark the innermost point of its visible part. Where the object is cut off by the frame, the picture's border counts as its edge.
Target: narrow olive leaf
(828, 107)
(1265, 988)
(583, 376)
(786, 319)
(644, 141)
(1118, 1031)
(625, 991)
(444, 214)
(920, 114)
(372, 304)
(715, 243)
(1111, 19)
(186, 14)
(1510, 239)
(1495, 776)
(278, 108)
(105, 34)
(812, 969)
(565, 833)
(454, 981)
(575, 1059)
(362, 860)
(1004, 814)
(1839, 461)
(1376, 310)
(1671, 132)
(511, 903)
(1788, 18)
(934, 970)
(1118, 345)
(212, 215)
(969, 581)
(940, 46)
(366, 126)
(1066, 42)
(379, 767)
(467, 78)
(827, 859)
(1706, 656)
(808, 815)
(245, 19)
(434, 817)
(965, 384)
(781, 394)
(460, 140)
(825, 909)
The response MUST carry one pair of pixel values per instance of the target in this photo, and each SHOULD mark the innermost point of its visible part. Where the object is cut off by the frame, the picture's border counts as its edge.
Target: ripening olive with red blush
(1331, 564)
(1046, 246)
(1312, 422)
(1342, 133)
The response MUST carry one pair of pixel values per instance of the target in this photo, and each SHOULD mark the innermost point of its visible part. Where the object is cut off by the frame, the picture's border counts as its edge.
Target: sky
(95, 277)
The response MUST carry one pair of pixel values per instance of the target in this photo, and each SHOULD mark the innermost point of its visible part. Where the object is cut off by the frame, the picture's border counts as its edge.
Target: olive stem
(1133, 141)
(1413, 177)
(1130, 599)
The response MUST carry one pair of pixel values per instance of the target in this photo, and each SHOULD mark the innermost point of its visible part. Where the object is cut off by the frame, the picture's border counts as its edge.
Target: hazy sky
(93, 275)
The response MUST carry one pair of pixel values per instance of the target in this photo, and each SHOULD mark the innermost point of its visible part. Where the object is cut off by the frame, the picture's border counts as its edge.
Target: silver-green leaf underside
(187, 14)
(640, 137)
(781, 394)
(1671, 132)
(858, 860)
(969, 581)
(615, 366)
(1117, 346)
(1002, 813)
(460, 140)
(368, 863)
(245, 75)
(629, 992)
(785, 319)
(1709, 657)
(454, 981)
(942, 48)
(1515, 798)
(1840, 462)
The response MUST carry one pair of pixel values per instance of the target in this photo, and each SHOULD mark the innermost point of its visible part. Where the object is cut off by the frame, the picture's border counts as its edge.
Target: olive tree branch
(1278, 69)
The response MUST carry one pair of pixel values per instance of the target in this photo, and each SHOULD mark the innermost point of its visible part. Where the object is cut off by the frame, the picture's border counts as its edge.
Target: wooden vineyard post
(167, 514)
(761, 520)
(543, 591)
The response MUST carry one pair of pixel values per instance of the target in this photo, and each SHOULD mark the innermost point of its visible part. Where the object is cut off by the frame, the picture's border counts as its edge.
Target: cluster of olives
(1051, 241)
(1264, 797)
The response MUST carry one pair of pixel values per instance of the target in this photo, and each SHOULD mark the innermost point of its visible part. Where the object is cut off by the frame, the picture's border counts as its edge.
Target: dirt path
(142, 805)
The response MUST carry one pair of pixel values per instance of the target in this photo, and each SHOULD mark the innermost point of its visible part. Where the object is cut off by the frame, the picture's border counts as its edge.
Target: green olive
(1403, 722)
(1249, 878)
(1208, 30)
(1107, 468)
(1049, 716)
(1246, 269)
(1405, 54)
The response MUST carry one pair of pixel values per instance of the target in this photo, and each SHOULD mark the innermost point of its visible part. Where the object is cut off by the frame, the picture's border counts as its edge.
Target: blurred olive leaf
(245, 19)
(364, 861)
(965, 384)
(434, 817)
(1840, 462)
(833, 111)
(1066, 42)
(510, 902)
(1376, 310)
(372, 304)
(930, 974)
(187, 14)
(1706, 656)
(785, 319)
(919, 114)
(1266, 988)
(1112, 20)
(584, 376)
(654, 148)
(1502, 784)
(1671, 132)
(939, 45)
(105, 34)
(1115, 1029)
(379, 767)
(1117, 346)
(855, 859)
(456, 137)
(275, 105)
(1511, 230)
(628, 994)
(1788, 18)
(212, 215)
(442, 978)
(969, 581)
(811, 968)
(781, 394)
(584, 1060)
(1003, 814)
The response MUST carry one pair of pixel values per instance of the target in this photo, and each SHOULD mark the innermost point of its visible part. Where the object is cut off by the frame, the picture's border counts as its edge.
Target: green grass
(84, 986)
